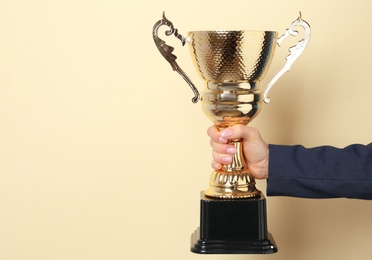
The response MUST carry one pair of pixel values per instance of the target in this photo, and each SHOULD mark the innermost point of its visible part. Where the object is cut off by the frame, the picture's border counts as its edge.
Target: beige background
(103, 155)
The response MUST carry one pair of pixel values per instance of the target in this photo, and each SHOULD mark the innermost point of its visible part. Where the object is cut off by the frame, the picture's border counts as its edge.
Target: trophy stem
(233, 181)
(238, 162)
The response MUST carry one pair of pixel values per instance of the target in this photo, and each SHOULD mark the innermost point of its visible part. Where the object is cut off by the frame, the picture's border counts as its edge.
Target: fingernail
(226, 159)
(226, 133)
(231, 150)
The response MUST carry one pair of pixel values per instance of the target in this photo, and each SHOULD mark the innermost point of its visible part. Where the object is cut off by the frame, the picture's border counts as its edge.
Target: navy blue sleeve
(320, 172)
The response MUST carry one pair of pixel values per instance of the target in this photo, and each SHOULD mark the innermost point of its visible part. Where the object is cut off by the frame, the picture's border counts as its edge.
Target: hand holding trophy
(232, 64)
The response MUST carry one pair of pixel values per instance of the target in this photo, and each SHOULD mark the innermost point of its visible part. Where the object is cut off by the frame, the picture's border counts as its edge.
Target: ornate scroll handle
(295, 51)
(167, 50)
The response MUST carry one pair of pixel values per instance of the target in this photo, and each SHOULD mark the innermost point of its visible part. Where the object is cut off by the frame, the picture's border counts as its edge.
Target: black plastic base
(236, 226)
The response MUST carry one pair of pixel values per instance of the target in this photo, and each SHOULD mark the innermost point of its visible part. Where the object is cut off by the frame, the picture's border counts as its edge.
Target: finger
(212, 131)
(222, 158)
(223, 148)
(215, 135)
(215, 165)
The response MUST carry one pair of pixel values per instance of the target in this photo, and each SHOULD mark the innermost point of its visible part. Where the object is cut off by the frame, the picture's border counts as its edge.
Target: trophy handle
(167, 50)
(295, 51)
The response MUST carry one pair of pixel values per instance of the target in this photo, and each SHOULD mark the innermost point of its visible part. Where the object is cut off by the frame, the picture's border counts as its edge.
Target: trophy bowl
(232, 63)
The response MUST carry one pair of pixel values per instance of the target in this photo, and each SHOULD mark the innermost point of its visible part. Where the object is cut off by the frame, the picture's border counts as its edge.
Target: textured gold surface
(232, 56)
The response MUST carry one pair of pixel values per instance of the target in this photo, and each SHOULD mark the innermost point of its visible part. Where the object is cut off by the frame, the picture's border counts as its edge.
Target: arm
(320, 172)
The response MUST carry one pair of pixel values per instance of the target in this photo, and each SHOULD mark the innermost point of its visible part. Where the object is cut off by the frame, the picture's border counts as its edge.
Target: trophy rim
(231, 31)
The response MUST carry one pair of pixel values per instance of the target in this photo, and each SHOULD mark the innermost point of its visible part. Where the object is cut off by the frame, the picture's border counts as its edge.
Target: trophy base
(235, 226)
(232, 247)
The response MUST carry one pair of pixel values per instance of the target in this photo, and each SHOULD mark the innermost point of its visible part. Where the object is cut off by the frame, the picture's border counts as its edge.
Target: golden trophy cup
(232, 64)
